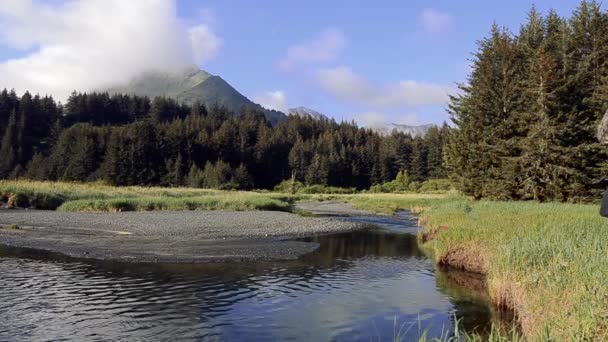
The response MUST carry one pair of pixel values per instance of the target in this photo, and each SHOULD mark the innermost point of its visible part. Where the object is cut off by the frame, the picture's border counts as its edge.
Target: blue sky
(374, 61)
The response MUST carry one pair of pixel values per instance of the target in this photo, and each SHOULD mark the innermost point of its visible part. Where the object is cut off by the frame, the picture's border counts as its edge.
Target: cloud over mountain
(276, 100)
(88, 44)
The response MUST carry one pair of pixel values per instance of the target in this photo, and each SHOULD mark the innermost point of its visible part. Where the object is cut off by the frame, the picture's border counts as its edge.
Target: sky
(384, 61)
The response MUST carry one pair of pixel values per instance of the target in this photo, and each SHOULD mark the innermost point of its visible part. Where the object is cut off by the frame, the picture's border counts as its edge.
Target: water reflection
(352, 288)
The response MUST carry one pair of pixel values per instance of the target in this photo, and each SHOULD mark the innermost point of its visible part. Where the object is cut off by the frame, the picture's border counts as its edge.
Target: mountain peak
(414, 131)
(190, 84)
(306, 112)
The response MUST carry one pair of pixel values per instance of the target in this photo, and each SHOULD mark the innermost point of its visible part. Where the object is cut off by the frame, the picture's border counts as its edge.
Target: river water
(360, 286)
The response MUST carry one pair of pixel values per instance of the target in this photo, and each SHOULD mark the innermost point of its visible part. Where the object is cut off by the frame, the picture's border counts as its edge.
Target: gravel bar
(167, 236)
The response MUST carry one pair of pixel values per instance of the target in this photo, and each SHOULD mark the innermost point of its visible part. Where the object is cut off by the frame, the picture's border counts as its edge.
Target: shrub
(289, 186)
(402, 184)
(46, 201)
(436, 185)
(18, 200)
(414, 186)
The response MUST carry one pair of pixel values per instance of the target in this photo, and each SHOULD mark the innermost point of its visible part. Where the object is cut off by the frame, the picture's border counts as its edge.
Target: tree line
(131, 140)
(527, 116)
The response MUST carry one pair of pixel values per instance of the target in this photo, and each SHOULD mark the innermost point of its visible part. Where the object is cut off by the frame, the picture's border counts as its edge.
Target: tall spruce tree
(8, 148)
(526, 118)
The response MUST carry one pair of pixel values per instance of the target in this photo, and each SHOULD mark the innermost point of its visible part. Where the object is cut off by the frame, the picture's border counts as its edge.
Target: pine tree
(318, 171)
(195, 177)
(489, 119)
(435, 141)
(242, 178)
(37, 168)
(418, 162)
(541, 172)
(174, 175)
(8, 154)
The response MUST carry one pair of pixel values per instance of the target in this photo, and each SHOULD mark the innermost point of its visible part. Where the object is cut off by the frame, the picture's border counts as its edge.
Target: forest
(526, 118)
(130, 140)
(523, 128)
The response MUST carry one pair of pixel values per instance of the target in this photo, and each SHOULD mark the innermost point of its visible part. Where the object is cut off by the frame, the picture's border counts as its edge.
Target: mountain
(306, 112)
(414, 131)
(190, 85)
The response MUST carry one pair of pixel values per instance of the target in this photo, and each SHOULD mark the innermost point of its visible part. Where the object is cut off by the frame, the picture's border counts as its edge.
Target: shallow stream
(368, 285)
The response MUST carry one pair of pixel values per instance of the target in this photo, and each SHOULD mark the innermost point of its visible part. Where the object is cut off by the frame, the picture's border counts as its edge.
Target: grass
(391, 203)
(496, 334)
(547, 261)
(103, 198)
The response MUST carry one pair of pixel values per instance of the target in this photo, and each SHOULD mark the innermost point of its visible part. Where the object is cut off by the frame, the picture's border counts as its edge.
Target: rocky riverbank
(167, 236)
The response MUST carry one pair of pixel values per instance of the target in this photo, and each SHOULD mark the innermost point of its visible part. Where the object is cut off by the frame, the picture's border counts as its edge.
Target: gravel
(167, 236)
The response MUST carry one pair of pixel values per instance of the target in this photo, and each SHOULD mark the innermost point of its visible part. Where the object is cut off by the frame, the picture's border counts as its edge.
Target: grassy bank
(547, 261)
(104, 198)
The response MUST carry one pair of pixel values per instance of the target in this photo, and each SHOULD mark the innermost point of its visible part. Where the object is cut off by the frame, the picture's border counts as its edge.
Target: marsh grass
(235, 202)
(103, 198)
(456, 334)
(13, 227)
(391, 203)
(547, 261)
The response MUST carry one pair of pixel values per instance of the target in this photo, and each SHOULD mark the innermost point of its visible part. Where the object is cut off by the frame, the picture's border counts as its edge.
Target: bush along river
(369, 285)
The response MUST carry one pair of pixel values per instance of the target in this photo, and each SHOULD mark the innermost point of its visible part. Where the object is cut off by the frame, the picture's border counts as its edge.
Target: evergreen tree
(174, 175)
(241, 178)
(195, 177)
(318, 171)
(419, 169)
(37, 169)
(8, 154)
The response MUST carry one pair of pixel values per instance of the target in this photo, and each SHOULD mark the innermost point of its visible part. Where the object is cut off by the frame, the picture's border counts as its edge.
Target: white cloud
(435, 21)
(273, 100)
(205, 44)
(344, 84)
(88, 44)
(325, 48)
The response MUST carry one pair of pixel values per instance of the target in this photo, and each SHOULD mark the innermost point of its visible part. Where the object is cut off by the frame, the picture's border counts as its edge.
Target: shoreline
(503, 294)
(543, 261)
(168, 236)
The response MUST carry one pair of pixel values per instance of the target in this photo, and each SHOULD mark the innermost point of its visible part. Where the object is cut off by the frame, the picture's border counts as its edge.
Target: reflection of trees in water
(194, 296)
(216, 287)
(360, 244)
(469, 294)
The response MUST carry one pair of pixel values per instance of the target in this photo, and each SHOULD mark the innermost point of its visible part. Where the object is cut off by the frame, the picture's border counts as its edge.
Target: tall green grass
(103, 198)
(456, 334)
(549, 261)
(391, 203)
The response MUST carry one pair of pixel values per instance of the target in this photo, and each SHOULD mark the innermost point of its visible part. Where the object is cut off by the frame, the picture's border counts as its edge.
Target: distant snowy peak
(306, 112)
(414, 131)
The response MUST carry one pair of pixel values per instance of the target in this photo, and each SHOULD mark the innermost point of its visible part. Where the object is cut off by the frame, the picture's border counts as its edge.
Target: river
(360, 286)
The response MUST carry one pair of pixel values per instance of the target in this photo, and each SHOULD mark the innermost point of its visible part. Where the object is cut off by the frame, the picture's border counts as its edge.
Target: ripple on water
(351, 288)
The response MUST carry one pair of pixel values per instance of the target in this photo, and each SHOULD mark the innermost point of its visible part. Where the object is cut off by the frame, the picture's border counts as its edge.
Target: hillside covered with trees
(131, 140)
(524, 127)
(527, 116)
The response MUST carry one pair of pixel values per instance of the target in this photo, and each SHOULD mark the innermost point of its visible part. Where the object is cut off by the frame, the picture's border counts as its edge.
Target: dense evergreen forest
(526, 117)
(524, 127)
(130, 140)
